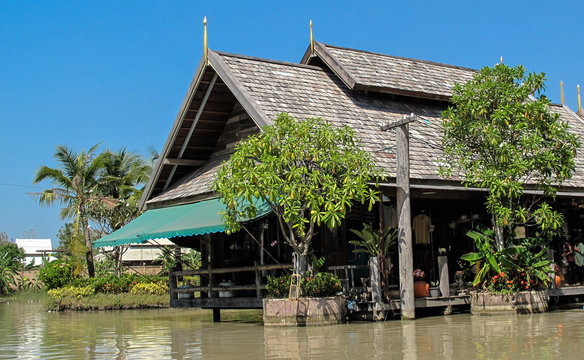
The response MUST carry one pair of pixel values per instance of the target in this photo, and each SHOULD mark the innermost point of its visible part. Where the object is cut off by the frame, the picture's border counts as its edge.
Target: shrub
(321, 285)
(318, 285)
(278, 286)
(519, 267)
(56, 274)
(71, 291)
(12, 255)
(112, 285)
(153, 288)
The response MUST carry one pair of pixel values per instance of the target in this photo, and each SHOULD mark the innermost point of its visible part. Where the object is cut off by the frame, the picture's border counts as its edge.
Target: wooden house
(234, 96)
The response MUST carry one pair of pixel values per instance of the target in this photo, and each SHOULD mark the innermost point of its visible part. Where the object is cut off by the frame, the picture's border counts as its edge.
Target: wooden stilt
(216, 315)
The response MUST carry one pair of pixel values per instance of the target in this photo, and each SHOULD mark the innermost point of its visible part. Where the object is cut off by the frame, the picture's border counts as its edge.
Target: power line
(21, 186)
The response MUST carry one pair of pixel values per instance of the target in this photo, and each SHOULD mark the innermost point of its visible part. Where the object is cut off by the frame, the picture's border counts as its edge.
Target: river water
(28, 331)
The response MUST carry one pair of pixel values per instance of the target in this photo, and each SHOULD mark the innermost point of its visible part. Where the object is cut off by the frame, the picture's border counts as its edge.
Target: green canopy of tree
(309, 172)
(11, 258)
(501, 135)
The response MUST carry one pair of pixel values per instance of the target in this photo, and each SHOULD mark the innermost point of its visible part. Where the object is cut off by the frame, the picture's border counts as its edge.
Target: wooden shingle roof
(265, 88)
(364, 70)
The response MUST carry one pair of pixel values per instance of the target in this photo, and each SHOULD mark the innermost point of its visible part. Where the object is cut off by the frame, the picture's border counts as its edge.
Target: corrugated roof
(34, 246)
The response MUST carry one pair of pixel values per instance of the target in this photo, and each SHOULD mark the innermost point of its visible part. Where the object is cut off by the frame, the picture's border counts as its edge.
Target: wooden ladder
(294, 292)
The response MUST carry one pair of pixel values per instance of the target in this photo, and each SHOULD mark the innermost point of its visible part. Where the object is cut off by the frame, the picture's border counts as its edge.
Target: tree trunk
(118, 261)
(499, 237)
(300, 264)
(89, 253)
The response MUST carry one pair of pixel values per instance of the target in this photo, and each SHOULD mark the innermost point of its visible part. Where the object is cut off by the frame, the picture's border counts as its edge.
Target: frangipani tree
(501, 135)
(309, 172)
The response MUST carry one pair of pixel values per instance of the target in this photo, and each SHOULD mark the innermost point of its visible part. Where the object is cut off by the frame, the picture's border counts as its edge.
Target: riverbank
(122, 301)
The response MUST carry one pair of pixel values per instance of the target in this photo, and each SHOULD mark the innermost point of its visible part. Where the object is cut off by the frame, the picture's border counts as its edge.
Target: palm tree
(122, 172)
(76, 186)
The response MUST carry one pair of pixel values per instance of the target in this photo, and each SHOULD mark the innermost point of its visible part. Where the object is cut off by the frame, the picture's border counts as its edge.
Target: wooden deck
(567, 291)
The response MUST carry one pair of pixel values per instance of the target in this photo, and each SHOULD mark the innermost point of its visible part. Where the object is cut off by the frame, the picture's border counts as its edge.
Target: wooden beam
(403, 121)
(336, 66)
(184, 162)
(402, 92)
(238, 90)
(193, 125)
(233, 269)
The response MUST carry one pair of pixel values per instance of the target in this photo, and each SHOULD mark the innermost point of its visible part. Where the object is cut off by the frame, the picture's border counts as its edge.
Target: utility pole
(406, 268)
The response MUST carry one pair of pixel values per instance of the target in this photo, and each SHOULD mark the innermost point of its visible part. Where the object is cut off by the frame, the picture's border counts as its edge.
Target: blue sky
(83, 72)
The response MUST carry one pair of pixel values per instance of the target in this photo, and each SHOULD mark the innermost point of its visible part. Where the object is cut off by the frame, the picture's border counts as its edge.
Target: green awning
(181, 220)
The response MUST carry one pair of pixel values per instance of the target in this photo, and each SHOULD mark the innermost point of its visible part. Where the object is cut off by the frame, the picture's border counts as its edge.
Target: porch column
(406, 277)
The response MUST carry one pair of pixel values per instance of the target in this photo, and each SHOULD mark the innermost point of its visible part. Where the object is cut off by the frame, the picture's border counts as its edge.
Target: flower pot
(305, 311)
(421, 289)
(522, 302)
(435, 292)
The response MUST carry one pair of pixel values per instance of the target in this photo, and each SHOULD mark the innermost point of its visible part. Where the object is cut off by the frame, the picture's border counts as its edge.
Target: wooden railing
(348, 280)
(212, 288)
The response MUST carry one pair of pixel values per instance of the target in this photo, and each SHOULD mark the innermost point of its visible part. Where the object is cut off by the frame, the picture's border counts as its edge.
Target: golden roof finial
(579, 101)
(562, 87)
(206, 49)
(501, 59)
(311, 39)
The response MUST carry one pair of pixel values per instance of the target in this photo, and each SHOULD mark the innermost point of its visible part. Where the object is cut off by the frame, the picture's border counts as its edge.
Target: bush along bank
(109, 293)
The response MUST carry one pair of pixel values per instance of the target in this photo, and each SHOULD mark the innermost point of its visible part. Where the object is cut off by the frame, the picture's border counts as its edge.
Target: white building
(34, 249)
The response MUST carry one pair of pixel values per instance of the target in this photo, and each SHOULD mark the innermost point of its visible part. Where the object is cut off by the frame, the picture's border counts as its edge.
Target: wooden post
(209, 248)
(406, 277)
(375, 279)
(258, 280)
(444, 280)
(172, 285)
(216, 315)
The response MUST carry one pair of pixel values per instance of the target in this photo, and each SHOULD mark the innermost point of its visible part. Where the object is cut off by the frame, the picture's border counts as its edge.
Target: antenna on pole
(206, 49)
(562, 87)
(311, 39)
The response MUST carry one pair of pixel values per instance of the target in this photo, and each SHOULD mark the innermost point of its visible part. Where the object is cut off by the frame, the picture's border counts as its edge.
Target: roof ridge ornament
(562, 90)
(501, 59)
(311, 39)
(205, 47)
(579, 101)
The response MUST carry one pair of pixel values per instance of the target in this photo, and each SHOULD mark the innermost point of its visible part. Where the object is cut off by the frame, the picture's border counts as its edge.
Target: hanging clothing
(422, 225)
(579, 255)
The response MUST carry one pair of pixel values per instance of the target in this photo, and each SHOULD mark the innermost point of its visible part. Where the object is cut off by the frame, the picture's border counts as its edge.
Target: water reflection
(28, 332)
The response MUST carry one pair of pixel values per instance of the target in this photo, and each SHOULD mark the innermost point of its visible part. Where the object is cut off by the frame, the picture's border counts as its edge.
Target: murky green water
(27, 331)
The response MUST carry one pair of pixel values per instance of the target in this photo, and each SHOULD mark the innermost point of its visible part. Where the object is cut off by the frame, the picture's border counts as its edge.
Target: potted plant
(435, 288)
(319, 305)
(421, 287)
(513, 279)
(377, 245)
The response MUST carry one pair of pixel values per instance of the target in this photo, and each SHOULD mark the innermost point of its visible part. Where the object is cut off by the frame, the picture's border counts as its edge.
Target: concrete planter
(304, 311)
(523, 302)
